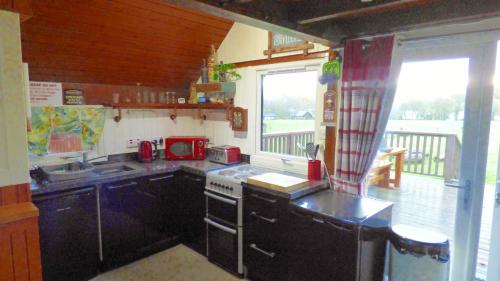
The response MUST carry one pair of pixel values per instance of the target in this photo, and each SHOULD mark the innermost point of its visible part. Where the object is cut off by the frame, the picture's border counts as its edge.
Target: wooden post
(449, 157)
(331, 132)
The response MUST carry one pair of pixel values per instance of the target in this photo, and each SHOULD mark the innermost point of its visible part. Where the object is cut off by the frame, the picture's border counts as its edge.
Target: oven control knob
(231, 188)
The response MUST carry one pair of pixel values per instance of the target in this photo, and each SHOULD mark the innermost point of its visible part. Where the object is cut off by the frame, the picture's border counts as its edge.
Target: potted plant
(224, 72)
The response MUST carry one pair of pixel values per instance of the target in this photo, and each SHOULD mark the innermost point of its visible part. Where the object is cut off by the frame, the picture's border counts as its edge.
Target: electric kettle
(146, 152)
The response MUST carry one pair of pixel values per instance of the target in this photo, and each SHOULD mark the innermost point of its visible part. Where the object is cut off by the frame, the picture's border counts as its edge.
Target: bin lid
(418, 241)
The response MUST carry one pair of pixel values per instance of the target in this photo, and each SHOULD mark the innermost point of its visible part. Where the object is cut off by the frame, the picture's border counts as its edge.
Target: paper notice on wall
(46, 93)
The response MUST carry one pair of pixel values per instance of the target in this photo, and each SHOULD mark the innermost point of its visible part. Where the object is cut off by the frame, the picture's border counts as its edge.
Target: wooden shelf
(200, 107)
(171, 106)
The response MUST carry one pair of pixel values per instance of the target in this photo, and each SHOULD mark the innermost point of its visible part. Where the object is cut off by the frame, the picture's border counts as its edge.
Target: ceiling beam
(382, 8)
(266, 19)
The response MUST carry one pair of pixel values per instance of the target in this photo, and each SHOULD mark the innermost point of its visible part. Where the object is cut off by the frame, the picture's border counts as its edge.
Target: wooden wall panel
(118, 42)
(14, 194)
(19, 244)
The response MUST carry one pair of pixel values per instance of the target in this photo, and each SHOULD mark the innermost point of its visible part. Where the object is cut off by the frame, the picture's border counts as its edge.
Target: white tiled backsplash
(145, 125)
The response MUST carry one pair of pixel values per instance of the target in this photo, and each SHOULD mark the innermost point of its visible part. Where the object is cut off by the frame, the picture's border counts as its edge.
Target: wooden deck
(426, 202)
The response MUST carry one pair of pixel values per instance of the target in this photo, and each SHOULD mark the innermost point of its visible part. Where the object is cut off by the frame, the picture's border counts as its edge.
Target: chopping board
(278, 182)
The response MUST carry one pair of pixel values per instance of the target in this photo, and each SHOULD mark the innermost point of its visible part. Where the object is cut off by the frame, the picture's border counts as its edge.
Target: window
(288, 111)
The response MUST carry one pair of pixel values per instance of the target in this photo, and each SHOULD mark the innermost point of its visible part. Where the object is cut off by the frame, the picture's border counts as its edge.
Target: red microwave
(185, 148)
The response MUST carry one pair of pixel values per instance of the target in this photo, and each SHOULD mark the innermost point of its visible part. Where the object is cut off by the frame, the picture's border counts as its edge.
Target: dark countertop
(199, 167)
(312, 187)
(347, 208)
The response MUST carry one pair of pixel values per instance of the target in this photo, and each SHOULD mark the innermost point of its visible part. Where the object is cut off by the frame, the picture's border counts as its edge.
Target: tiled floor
(176, 264)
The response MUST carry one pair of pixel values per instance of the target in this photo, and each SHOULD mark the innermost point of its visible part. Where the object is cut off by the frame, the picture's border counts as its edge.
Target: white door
(492, 194)
(13, 139)
(479, 50)
(494, 257)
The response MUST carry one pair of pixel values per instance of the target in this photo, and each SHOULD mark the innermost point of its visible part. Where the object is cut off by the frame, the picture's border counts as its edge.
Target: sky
(285, 85)
(428, 80)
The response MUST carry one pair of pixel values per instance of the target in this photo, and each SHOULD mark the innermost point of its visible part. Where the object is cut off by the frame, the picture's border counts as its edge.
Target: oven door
(223, 246)
(223, 209)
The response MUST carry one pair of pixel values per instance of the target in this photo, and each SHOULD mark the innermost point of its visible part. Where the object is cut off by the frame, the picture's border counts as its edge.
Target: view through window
(288, 111)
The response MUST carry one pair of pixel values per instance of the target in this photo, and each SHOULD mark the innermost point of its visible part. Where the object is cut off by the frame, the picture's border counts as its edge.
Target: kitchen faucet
(85, 156)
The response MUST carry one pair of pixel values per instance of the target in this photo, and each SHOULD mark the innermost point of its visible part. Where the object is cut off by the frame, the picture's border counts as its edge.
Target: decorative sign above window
(280, 43)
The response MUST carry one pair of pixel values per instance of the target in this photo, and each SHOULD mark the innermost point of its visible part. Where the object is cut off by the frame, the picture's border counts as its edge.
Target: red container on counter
(314, 170)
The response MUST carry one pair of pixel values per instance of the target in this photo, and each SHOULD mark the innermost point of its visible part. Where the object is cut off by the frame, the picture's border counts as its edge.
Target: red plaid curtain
(364, 79)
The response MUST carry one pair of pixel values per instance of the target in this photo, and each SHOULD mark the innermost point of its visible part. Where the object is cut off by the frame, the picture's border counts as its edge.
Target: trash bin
(418, 254)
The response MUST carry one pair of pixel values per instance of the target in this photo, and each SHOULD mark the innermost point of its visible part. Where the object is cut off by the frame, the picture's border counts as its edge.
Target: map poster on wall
(45, 93)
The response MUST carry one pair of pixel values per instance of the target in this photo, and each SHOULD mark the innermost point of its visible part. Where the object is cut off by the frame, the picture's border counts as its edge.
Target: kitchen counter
(347, 208)
(199, 167)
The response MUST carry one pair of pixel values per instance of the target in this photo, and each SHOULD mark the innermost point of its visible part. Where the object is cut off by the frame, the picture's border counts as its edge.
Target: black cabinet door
(159, 205)
(194, 211)
(320, 249)
(68, 235)
(121, 221)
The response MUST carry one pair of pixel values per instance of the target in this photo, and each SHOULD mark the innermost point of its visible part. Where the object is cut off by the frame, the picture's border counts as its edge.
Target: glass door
(436, 142)
(489, 251)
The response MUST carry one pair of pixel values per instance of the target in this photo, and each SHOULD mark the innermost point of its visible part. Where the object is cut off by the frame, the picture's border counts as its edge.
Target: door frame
(480, 48)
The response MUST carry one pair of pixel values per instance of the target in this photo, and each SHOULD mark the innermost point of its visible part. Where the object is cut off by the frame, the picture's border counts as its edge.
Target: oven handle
(222, 199)
(220, 226)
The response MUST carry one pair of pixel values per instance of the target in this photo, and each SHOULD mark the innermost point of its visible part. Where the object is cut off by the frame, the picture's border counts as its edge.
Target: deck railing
(431, 154)
(286, 143)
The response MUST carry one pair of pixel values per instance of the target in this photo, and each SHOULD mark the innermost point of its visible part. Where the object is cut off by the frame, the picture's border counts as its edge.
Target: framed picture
(281, 43)
(239, 119)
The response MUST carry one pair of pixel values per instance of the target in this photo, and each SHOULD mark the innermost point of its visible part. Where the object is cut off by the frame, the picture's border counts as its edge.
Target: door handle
(466, 187)
(161, 178)
(110, 187)
(220, 226)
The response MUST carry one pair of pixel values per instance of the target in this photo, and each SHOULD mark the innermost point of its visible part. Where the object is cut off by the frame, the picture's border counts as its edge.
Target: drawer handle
(121, 186)
(161, 178)
(272, 201)
(193, 179)
(273, 220)
(253, 246)
(63, 209)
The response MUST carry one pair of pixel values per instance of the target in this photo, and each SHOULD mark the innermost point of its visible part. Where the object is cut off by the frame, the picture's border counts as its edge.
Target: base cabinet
(138, 217)
(68, 235)
(194, 229)
(264, 236)
(319, 250)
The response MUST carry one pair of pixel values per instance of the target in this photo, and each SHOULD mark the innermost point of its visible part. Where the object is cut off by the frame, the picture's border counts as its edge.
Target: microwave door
(182, 149)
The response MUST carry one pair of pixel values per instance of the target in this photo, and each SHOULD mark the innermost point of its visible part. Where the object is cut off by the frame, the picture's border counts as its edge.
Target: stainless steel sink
(70, 171)
(111, 169)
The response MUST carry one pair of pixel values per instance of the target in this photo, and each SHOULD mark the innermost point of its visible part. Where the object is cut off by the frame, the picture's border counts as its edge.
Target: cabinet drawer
(263, 263)
(261, 203)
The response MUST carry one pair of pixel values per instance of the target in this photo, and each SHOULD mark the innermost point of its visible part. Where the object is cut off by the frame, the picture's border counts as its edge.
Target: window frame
(283, 161)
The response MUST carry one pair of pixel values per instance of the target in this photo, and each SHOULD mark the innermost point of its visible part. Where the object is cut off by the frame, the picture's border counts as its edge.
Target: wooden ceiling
(118, 42)
(336, 20)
